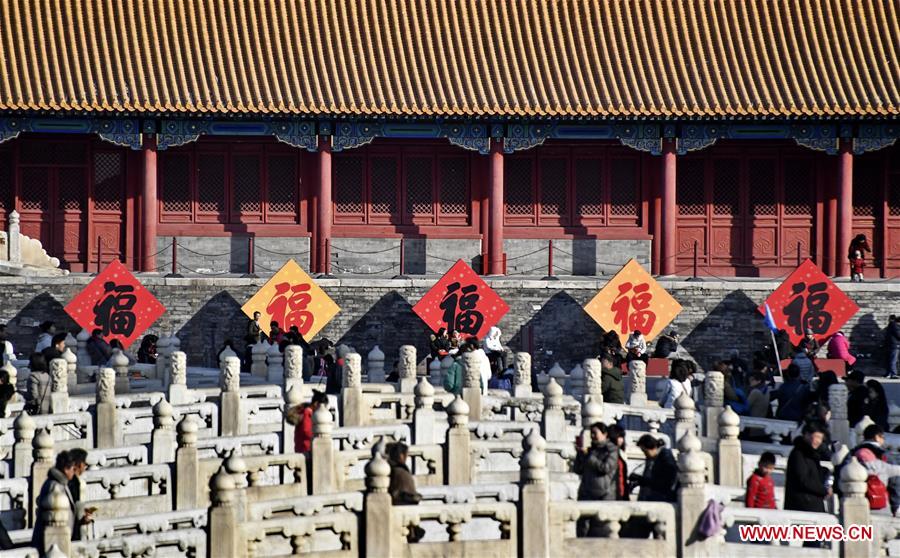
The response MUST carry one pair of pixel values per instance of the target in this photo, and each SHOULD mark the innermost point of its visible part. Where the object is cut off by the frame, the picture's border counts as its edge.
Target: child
(760, 486)
(857, 263)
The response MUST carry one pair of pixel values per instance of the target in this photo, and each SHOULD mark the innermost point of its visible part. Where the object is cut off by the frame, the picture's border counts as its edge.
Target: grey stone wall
(573, 257)
(381, 256)
(545, 318)
(223, 254)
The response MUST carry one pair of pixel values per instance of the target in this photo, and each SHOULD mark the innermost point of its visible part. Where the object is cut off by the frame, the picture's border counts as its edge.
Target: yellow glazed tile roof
(533, 58)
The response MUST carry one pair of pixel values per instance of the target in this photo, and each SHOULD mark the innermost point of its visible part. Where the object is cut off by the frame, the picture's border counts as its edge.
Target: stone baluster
(522, 377)
(258, 353)
(174, 343)
(162, 441)
(178, 390)
(231, 419)
(108, 433)
(380, 528)
(423, 417)
(341, 350)
(71, 342)
(459, 467)
(71, 368)
(714, 400)
(293, 367)
(592, 374)
(237, 468)
(84, 358)
(557, 373)
(119, 362)
(839, 424)
(354, 411)
(406, 371)
(534, 499)
(324, 478)
(855, 508)
(57, 523)
(13, 374)
(692, 499)
(292, 398)
(187, 465)
(553, 419)
(59, 386)
(224, 520)
(575, 383)
(375, 365)
(637, 369)
(685, 411)
(434, 372)
(730, 467)
(42, 462)
(23, 429)
(275, 364)
(446, 363)
(162, 354)
(591, 413)
(226, 353)
(471, 391)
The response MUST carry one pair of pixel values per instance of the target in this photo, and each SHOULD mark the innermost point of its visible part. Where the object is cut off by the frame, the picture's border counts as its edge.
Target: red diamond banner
(808, 299)
(461, 301)
(116, 303)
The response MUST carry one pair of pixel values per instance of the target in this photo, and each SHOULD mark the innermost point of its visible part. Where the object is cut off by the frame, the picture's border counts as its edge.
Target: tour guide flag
(633, 300)
(292, 298)
(461, 301)
(809, 300)
(116, 303)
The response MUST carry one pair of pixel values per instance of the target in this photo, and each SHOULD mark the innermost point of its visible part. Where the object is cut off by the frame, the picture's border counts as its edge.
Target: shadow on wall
(560, 331)
(23, 329)
(219, 319)
(402, 327)
(867, 336)
(734, 324)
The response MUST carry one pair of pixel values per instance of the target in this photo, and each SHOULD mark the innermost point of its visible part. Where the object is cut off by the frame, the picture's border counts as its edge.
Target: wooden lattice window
(211, 187)
(589, 189)
(519, 188)
(554, 188)
(867, 189)
(35, 189)
(798, 187)
(108, 181)
(624, 188)
(282, 184)
(247, 183)
(726, 186)
(763, 187)
(454, 187)
(72, 191)
(7, 184)
(894, 194)
(691, 187)
(349, 184)
(176, 183)
(419, 186)
(384, 172)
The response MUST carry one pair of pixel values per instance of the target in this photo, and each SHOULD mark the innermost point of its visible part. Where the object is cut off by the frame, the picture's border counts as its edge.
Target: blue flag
(770, 321)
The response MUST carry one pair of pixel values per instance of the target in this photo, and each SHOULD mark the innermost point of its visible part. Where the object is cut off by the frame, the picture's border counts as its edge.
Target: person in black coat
(892, 345)
(659, 481)
(856, 398)
(805, 487)
(666, 345)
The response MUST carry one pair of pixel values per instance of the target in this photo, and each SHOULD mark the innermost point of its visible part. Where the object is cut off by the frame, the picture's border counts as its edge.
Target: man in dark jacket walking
(805, 479)
(598, 466)
(611, 382)
(792, 396)
(892, 344)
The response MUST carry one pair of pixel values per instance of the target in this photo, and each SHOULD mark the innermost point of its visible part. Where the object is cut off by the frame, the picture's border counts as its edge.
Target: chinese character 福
(114, 312)
(468, 320)
(633, 313)
(288, 307)
(815, 318)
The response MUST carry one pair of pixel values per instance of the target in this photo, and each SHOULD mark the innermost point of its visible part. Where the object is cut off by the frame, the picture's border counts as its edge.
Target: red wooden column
(149, 211)
(669, 208)
(844, 208)
(322, 234)
(495, 221)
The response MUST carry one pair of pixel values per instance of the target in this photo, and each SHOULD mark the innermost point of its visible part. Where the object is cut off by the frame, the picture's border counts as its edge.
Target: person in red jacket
(301, 417)
(760, 486)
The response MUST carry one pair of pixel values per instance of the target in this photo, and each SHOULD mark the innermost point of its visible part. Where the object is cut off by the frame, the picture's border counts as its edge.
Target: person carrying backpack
(883, 484)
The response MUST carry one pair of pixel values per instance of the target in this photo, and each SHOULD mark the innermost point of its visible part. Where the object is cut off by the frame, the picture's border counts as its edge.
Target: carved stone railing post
(293, 367)
(557, 373)
(592, 373)
(406, 371)
(423, 417)
(178, 390)
(855, 508)
(591, 412)
(59, 386)
(258, 353)
(730, 467)
(446, 363)
(275, 365)
(187, 465)
(434, 372)
(522, 378)
(15, 238)
(575, 383)
(685, 411)
(839, 424)
(714, 400)
(108, 433)
(692, 498)
(323, 466)
(292, 398)
(57, 531)
(71, 366)
(162, 441)
(375, 365)
(224, 523)
(231, 419)
(23, 429)
(534, 501)
(353, 404)
(459, 466)
(237, 468)
(13, 374)
(81, 353)
(42, 461)
(378, 513)
(472, 384)
(553, 419)
(162, 353)
(119, 362)
(637, 369)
